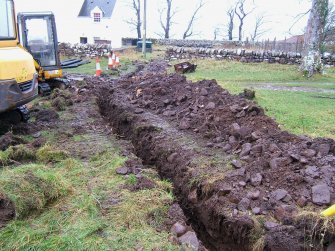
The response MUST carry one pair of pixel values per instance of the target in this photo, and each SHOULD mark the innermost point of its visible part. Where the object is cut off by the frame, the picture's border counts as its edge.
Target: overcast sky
(280, 14)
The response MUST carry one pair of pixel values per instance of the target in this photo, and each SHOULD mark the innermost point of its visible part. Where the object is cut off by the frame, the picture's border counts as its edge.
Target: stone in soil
(190, 240)
(236, 163)
(122, 170)
(178, 229)
(244, 205)
(256, 179)
(321, 194)
(278, 194)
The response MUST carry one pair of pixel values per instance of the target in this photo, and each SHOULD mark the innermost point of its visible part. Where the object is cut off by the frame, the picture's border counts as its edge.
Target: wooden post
(144, 41)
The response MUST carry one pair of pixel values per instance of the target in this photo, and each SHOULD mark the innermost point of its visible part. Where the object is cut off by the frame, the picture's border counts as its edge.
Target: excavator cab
(38, 35)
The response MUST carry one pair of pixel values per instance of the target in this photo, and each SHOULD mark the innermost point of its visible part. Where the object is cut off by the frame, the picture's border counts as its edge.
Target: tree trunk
(168, 19)
(230, 30)
(311, 62)
(139, 23)
(240, 31)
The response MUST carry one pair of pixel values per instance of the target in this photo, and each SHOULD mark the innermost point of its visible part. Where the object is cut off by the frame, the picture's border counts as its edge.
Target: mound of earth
(9, 139)
(241, 178)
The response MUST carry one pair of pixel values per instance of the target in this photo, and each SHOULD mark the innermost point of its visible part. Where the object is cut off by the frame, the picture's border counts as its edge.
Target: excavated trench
(242, 181)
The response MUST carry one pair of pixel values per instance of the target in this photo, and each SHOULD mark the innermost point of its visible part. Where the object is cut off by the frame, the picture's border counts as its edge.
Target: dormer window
(96, 17)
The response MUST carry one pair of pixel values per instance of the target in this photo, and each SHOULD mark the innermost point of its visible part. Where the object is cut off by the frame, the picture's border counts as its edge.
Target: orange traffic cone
(110, 61)
(113, 59)
(117, 61)
(98, 70)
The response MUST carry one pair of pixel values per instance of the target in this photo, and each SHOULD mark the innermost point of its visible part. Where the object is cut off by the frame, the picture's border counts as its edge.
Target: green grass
(300, 112)
(232, 71)
(31, 187)
(296, 111)
(126, 59)
(97, 215)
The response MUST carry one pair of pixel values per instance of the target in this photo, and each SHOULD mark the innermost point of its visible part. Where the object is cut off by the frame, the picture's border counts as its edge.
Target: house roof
(107, 7)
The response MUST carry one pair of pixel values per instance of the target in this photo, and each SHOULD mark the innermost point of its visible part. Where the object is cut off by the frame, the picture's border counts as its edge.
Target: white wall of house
(111, 29)
(70, 27)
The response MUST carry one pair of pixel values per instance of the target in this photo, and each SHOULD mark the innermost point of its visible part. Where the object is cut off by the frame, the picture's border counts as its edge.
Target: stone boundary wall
(242, 55)
(83, 50)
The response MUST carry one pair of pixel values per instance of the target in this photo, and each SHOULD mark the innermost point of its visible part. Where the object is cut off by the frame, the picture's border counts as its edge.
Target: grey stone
(278, 194)
(242, 183)
(189, 239)
(256, 179)
(224, 190)
(210, 106)
(192, 196)
(273, 163)
(203, 92)
(236, 163)
(184, 124)
(235, 128)
(172, 157)
(302, 201)
(36, 135)
(178, 229)
(256, 210)
(323, 150)
(321, 194)
(243, 205)
(138, 110)
(268, 225)
(246, 148)
(312, 171)
(122, 170)
(309, 153)
(254, 195)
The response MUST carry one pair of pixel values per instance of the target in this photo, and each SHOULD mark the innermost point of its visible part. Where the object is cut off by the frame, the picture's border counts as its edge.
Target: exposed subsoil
(238, 177)
(82, 118)
(7, 211)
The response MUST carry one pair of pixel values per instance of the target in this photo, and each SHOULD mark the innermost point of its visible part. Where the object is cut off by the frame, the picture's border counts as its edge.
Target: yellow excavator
(38, 35)
(18, 77)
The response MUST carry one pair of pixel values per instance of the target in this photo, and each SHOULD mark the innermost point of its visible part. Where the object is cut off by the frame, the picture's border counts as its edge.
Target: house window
(83, 40)
(97, 17)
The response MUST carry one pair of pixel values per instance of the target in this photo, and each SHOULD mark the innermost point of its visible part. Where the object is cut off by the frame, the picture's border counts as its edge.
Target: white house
(97, 23)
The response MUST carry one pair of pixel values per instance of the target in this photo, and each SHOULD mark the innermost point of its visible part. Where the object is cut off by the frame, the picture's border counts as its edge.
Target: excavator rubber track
(24, 113)
(44, 89)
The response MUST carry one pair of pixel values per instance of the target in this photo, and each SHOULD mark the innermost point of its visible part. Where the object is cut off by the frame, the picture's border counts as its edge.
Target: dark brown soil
(9, 139)
(7, 211)
(231, 165)
(47, 115)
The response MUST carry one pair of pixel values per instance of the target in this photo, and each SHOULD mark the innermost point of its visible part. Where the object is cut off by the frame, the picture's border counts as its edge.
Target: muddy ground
(80, 117)
(243, 182)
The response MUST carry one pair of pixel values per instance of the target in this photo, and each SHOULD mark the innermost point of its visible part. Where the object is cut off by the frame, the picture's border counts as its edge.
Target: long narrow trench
(177, 158)
(202, 175)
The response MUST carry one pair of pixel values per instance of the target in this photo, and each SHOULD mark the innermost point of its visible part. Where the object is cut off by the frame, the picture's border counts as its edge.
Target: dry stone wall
(84, 50)
(242, 55)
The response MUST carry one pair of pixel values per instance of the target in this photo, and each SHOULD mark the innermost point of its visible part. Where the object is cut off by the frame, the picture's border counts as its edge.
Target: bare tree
(216, 33)
(311, 62)
(242, 14)
(230, 26)
(189, 30)
(329, 29)
(258, 30)
(167, 23)
(137, 22)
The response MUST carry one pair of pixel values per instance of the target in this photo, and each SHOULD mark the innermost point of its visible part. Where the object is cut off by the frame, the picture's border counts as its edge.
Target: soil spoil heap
(244, 183)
